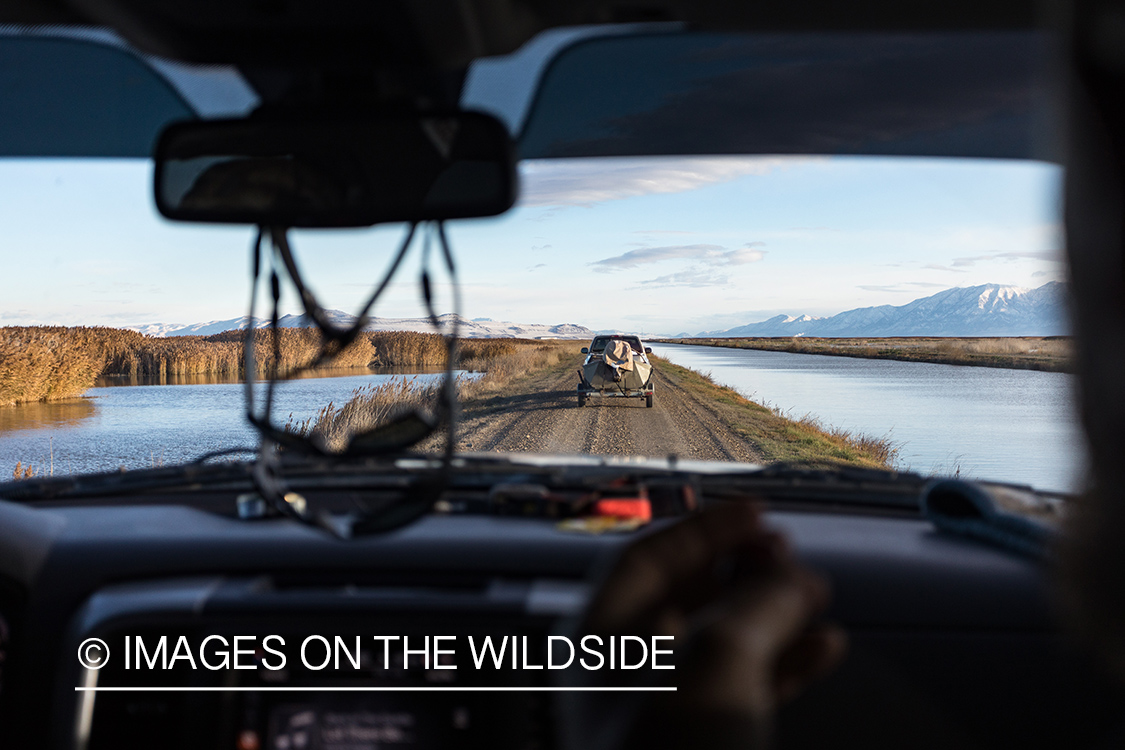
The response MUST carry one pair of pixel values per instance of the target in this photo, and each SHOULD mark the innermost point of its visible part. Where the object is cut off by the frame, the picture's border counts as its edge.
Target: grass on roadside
(365, 409)
(500, 362)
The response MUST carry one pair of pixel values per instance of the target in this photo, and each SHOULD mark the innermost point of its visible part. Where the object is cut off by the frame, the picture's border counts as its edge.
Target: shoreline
(1042, 353)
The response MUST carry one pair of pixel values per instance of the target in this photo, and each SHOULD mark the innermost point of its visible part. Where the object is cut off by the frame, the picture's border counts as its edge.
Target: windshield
(598, 345)
(890, 312)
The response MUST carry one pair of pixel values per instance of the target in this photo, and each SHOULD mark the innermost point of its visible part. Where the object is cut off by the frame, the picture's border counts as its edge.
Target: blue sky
(655, 245)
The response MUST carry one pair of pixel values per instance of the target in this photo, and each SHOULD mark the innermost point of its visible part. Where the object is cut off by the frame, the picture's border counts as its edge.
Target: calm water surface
(991, 423)
(138, 426)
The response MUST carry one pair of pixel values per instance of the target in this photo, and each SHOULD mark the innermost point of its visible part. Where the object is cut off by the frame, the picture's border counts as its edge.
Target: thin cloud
(936, 267)
(713, 255)
(743, 255)
(899, 287)
(127, 316)
(1018, 255)
(541, 247)
(581, 182)
(691, 277)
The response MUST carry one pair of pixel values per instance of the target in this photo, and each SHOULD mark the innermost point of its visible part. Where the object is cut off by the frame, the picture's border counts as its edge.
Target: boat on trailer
(616, 366)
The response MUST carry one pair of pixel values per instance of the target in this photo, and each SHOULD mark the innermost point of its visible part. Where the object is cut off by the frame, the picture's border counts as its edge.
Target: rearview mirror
(336, 173)
(585, 350)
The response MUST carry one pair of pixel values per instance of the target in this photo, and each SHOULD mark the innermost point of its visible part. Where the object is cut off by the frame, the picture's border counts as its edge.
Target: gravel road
(544, 417)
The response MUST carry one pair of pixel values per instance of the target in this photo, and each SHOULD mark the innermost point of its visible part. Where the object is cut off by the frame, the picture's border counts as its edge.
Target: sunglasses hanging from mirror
(393, 436)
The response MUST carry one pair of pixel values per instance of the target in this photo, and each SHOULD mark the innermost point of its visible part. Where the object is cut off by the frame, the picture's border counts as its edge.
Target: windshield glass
(891, 312)
(919, 269)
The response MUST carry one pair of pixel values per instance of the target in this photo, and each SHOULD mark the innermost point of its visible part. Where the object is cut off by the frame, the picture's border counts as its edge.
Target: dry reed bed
(366, 408)
(48, 363)
(411, 349)
(1051, 353)
(158, 359)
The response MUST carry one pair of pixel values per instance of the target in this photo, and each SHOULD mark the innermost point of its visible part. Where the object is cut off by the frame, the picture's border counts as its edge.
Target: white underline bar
(361, 689)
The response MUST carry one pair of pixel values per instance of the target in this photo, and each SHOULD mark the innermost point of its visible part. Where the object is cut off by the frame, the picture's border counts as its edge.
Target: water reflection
(143, 426)
(979, 422)
(68, 413)
(112, 381)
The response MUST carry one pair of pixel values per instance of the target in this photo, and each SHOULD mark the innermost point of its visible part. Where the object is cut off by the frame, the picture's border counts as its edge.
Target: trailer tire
(648, 401)
(581, 400)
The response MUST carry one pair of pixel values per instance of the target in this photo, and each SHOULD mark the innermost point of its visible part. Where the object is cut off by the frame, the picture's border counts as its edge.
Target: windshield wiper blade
(359, 472)
(124, 482)
(390, 491)
(838, 472)
(844, 486)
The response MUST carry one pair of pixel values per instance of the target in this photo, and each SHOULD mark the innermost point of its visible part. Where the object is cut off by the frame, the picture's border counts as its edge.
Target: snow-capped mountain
(985, 310)
(212, 327)
(156, 329)
(480, 328)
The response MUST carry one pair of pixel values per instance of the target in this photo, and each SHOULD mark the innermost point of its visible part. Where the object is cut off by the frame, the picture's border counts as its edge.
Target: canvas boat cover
(619, 354)
(616, 369)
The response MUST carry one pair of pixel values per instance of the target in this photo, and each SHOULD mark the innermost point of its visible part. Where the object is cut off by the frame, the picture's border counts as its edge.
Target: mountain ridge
(982, 310)
(486, 328)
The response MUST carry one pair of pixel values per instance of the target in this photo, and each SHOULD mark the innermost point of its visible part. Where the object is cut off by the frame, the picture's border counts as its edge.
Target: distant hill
(985, 310)
(481, 328)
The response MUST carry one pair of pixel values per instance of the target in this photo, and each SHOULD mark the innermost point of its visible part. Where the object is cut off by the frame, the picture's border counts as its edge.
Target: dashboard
(952, 643)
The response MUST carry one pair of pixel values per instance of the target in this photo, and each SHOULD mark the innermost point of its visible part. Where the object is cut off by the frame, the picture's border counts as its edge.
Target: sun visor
(69, 97)
(69, 92)
(957, 94)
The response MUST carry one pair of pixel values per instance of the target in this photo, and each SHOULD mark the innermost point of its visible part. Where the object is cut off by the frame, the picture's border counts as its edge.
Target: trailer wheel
(648, 401)
(581, 400)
